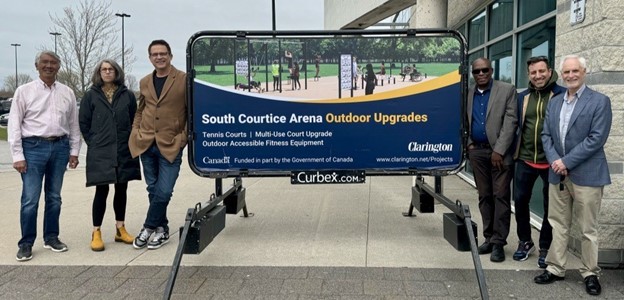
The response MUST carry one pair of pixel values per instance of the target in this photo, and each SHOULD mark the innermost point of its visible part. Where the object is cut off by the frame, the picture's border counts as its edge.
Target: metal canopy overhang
(378, 14)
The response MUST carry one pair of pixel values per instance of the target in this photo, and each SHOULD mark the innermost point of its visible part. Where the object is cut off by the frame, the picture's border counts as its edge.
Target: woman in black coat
(106, 113)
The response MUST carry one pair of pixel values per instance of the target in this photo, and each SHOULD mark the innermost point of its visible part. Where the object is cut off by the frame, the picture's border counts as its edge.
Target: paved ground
(303, 242)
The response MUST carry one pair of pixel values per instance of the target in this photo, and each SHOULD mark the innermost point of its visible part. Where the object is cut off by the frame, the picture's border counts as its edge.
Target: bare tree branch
(9, 81)
(132, 83)
(89, 33)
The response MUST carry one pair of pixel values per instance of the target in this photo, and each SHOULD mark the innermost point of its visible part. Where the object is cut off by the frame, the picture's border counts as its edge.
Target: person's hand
(559, 167)
(73, 161)
(497, 160)
(20, 166)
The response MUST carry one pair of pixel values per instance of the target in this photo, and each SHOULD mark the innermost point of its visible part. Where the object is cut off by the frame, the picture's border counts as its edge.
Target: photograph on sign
(269, 105)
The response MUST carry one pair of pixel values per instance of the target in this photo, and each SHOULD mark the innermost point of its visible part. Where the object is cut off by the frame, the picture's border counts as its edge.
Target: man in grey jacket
(576, 129)
(492, 121)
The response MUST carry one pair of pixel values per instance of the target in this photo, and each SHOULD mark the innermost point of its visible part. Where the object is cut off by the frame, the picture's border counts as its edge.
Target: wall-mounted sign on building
(577, 12)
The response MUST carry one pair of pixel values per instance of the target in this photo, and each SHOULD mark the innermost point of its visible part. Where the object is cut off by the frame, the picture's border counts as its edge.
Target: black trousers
(524, 181)
(494, 188)
(275, 83)
(119, 203)
(296, 82)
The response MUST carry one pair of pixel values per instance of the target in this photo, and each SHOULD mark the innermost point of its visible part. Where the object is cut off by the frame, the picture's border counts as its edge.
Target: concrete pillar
(429, 14)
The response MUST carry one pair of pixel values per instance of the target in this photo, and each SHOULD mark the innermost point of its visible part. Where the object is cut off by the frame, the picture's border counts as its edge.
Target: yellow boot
(96, 241)
(123, 236)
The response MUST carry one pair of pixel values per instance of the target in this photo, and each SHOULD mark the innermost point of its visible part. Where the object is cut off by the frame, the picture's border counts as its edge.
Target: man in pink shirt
(44, 137)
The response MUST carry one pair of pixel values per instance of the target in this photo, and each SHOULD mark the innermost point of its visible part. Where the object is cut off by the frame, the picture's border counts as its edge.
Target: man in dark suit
(492, 121)
(576, 128)
(159, 136)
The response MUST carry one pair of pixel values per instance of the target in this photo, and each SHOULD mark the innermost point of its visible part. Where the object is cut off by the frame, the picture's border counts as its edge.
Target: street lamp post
(55, 34)
(16, 78)
(123, 50)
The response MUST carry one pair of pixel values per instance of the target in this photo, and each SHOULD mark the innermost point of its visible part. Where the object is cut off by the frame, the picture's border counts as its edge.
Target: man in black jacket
(530, 159)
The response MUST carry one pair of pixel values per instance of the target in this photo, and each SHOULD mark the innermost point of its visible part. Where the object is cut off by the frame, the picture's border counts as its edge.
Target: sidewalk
(303, 242)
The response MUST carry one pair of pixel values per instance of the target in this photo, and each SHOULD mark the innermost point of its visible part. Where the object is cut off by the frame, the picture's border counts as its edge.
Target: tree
(9, 81)
(88, 35)
(209, 51)
(132, 83)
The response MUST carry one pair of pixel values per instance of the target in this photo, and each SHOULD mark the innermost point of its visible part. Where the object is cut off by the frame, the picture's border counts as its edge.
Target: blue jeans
(160, 176)
(44, 159)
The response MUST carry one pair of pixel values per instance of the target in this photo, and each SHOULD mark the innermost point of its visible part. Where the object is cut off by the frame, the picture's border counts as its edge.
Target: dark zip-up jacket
(532, 104)
(106, 128)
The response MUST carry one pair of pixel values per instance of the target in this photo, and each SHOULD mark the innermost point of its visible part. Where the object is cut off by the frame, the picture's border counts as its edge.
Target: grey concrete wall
(598, 39)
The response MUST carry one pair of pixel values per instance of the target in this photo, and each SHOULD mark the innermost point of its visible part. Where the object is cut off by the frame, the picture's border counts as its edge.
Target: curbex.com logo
(429, 147)
(320, 177)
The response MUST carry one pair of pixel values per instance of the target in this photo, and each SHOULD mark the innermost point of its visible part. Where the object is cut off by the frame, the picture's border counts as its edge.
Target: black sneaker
(524, 250)
(486, 248)
(24, 253)
(498, 253)
(160, 238)
(541, 261)
(141, 240)
(55, 245)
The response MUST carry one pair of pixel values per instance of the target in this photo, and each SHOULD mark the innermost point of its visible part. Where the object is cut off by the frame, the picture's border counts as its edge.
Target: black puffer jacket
(106, 128)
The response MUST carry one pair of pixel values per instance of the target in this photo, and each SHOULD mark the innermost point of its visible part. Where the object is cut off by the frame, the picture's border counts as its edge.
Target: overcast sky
(27, 22)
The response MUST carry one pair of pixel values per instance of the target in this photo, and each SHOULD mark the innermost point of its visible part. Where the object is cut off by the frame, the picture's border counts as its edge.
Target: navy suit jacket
(587, 133)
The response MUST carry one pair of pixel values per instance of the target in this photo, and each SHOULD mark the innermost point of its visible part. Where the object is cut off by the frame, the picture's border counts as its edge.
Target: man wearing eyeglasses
(576, 128)
(531, 161)
(492, 121)
(159, 136)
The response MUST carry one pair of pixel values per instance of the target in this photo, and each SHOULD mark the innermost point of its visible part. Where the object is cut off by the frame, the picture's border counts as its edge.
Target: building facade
(510, 31)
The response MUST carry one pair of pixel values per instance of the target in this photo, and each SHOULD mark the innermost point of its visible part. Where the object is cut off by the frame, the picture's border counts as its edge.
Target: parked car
(4, 120)
(5, 105)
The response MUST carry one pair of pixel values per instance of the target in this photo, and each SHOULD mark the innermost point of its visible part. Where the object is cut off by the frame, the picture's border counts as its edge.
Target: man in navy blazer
(576, 128)
(492, 119)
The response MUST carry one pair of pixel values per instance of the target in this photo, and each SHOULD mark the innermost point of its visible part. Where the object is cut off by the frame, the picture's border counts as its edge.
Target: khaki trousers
(582, 203)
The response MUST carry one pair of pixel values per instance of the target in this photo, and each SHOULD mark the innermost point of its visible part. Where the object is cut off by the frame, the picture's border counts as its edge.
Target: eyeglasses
(107, 70)
(161, 54)
(479, 71)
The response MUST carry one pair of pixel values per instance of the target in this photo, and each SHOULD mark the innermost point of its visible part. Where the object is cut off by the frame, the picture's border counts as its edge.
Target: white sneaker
(160, 238)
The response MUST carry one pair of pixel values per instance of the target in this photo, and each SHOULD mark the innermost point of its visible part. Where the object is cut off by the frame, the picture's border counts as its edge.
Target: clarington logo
(224, 160)
(428, 147)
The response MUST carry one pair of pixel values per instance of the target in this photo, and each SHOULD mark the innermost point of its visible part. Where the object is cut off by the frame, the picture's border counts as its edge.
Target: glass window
(509, 61)
(535, 41)
(529, 10)
(471, 58)
(500, 55)
(476, 31)
(474, 55)
(462, 30)
(500, 18)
